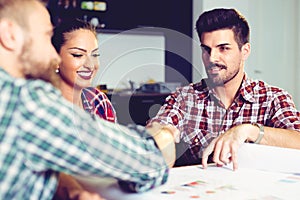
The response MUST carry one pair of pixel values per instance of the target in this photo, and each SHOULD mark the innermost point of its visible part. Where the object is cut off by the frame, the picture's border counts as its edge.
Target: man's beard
(34, 69)
(220, 81)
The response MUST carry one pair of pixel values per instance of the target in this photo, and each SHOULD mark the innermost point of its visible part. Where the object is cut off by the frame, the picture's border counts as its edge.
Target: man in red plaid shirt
(226, 109)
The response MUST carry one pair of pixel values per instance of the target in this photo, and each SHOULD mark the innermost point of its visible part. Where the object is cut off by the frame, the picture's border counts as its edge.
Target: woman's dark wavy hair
(222, 18)
(68, 26)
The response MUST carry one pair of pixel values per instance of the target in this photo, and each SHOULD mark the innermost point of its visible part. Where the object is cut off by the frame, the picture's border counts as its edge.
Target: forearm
(229, 142)
(277, 137)
(128, 155)
(165, 142)
(97, 148)
(165, 137)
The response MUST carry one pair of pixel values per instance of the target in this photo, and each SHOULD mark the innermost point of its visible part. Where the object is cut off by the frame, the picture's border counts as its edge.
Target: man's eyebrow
(222, 44)
(204, 46)
(219, 45)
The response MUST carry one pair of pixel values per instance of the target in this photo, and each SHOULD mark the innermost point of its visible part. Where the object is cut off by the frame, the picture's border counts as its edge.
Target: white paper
(269, 158)
(265, 172)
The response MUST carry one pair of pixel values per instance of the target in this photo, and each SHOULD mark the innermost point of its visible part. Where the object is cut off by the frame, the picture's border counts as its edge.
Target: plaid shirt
(200, 116)
(96, 103)
(41, 134)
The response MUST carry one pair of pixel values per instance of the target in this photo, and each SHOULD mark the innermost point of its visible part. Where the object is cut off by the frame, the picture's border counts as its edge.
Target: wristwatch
(261, 132)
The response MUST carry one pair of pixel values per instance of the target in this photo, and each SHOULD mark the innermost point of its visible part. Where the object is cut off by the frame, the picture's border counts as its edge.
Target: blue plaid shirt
(42, 134)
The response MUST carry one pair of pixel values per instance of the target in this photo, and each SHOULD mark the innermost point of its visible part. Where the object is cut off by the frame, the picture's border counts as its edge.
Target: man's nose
(214, 55)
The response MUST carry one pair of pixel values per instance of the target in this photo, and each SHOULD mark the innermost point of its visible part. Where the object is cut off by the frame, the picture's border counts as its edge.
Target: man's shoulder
(35, 91)
(254, 90)
(39, 86)
(261, 86)
(22, 84)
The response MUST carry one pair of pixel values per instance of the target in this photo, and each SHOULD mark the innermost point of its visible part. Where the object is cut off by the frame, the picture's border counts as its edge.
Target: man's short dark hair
(222, 18)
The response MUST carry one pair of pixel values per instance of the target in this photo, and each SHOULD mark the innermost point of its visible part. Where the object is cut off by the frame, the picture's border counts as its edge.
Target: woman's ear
(246, 49)
(9, 34)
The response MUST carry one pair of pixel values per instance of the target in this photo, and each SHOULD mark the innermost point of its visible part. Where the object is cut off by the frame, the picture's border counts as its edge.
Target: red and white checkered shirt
(200, 116)
(96, 103)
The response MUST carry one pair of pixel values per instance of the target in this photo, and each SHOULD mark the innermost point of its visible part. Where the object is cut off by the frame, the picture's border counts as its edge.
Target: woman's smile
(85, 74)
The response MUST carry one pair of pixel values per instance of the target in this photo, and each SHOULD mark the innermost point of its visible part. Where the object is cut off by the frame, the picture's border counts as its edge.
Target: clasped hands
(165, 137)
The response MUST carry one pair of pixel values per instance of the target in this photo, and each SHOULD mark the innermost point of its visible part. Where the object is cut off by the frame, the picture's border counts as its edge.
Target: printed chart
(223, 183)
(265, 173)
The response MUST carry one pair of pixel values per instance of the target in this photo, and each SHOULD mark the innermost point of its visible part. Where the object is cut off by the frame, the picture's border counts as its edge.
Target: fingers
(207, 152)
(218, 154)
(234, 158)
(85, 195)
(224, 153)
(204, 159)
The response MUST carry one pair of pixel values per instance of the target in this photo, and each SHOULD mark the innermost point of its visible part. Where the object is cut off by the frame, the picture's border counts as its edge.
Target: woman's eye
(76, 55)
(96, 55)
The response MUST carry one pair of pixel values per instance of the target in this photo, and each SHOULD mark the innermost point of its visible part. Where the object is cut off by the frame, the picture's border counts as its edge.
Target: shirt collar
(201, 88)
(4, 75)
(246, 91)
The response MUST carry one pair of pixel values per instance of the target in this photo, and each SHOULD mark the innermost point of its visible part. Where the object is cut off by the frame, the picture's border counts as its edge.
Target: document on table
(222, 183)
(268, 173)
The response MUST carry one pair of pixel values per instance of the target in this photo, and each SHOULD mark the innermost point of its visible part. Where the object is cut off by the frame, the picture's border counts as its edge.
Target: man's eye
(76, 55)
(224, 48)
(206, 50)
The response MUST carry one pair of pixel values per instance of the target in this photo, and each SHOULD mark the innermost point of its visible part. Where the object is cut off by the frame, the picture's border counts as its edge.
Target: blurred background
(148, 48)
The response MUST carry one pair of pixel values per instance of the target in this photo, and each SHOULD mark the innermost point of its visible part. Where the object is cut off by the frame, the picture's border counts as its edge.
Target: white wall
(274, 36)
(137, 56)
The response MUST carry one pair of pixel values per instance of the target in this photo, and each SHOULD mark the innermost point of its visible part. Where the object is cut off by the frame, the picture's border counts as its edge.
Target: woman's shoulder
(93, 92)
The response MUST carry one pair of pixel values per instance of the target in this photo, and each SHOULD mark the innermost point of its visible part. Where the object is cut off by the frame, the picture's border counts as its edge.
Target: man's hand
(155, 128)
(225, 147)
(70, 189)
(165, 137)
(84, 195)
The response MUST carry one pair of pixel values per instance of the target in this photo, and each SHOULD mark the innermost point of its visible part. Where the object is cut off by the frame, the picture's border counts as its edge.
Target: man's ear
(9, 34)
(246, 49)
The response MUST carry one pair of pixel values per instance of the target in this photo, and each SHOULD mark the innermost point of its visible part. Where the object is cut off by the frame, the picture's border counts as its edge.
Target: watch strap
(261, 132)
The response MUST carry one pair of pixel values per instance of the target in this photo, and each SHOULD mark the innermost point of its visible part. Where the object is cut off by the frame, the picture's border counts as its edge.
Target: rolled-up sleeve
(60, 137)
